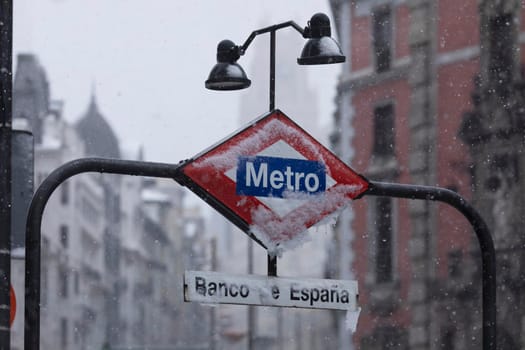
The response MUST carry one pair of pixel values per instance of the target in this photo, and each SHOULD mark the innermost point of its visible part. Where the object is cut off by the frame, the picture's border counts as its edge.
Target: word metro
(276, 177)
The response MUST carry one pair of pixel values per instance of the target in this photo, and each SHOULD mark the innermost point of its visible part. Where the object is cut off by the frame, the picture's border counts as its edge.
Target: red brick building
(406, 92)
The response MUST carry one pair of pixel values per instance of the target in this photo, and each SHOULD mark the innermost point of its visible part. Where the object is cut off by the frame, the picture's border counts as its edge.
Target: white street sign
(218, 288)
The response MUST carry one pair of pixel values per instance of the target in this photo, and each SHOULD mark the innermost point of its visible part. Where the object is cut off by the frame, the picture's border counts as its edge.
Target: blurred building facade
(406, 94)
(113, 247)
(494, 131)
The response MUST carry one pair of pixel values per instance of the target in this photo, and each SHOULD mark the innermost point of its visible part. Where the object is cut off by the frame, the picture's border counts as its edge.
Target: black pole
(6, 94)
(272, 265)
(34, 222)
(272, 260)
(272, 70)
(251, 309)
(488, 253)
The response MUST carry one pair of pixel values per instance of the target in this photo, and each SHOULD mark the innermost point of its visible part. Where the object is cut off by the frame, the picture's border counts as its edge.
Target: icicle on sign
(273, 180)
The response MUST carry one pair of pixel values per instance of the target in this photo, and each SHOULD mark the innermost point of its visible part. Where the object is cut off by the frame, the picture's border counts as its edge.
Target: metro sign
(273, 180)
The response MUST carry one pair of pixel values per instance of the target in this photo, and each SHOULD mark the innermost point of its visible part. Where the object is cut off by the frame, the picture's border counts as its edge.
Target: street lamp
(320, 48)
(227, 74)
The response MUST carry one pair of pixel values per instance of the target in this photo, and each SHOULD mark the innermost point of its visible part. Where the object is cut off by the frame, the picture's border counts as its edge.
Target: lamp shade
(227, 74)
(320, 48)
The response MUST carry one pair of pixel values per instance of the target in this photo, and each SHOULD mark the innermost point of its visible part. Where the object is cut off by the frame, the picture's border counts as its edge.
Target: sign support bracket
(488, 252)
(272, 265)
(139, 168)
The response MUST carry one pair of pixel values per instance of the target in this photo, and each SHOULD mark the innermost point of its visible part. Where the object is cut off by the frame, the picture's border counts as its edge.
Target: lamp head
(320, 48)
(227, 74)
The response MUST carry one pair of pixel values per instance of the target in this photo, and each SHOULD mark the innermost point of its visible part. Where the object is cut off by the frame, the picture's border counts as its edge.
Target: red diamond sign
(273, 180)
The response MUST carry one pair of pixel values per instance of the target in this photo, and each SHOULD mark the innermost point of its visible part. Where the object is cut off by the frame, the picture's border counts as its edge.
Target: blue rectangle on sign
(273, 177)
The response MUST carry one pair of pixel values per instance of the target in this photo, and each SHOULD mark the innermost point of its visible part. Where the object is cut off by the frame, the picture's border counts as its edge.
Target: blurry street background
(431, 93)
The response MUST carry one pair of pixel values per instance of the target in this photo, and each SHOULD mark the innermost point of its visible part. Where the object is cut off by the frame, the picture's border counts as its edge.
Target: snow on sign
(218, 288)
(273, 180)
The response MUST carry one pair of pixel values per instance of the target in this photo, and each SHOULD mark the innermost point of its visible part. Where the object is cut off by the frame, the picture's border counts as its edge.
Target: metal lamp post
(320, 48)
(227, 74)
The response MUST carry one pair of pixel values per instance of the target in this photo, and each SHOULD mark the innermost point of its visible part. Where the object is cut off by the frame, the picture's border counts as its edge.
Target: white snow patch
(21, 124)
(281, 234)
(248, 146)
(331, 219)
(210, 305)
(18, 253)
(242, 202)
(351, 319)
(50, 142)
(149, 195)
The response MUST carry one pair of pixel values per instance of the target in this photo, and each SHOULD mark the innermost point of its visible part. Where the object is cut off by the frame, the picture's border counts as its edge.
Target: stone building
(494, 131)
(405, 114)
(110, 244)
(100, 140)
(32, 90)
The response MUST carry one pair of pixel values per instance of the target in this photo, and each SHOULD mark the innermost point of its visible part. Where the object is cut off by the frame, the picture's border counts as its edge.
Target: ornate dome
(98, 136)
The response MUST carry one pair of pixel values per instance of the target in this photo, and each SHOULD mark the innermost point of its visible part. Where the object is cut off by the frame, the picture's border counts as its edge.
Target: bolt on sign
(273, 180)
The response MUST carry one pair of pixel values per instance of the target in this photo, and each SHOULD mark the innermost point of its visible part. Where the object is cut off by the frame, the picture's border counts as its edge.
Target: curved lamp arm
(242, 49)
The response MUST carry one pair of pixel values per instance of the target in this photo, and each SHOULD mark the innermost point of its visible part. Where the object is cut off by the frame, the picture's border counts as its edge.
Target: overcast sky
(147, 62)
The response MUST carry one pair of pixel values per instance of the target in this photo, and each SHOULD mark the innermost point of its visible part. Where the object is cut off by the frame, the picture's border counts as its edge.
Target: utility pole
(213, 313)
(6, 67)
(345, 228)
(251, 310)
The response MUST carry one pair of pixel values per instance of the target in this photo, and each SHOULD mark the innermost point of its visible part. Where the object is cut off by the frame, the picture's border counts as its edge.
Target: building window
(63, 333)
(501, 59)
(384, 240)
(76, 332)
(448, 340)
(384, 132)
(64, 236)
(382, 38)
(89, 211)
(455, 259)
(506, 165)
(111, 251)
(77, 283)
(64, 193)
(63, 281)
